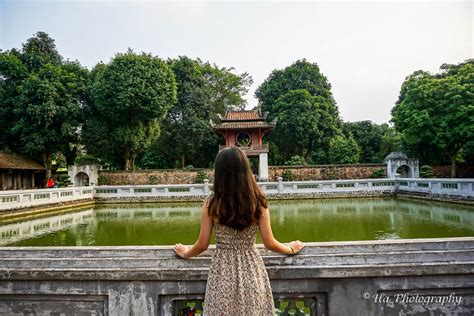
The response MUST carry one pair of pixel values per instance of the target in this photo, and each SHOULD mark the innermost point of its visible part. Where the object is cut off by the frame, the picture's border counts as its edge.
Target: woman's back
(238, 283)
(231, 238)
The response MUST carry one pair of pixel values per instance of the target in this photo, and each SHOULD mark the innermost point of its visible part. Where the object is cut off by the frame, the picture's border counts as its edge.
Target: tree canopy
(299, 97)
(130, 97)
(41, 99)
(435, 112)
(203, 92)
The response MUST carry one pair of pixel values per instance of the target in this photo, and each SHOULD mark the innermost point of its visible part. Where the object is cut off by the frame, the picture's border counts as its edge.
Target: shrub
(287, 175)
(86, 159)
(296, 161)
(64, 180)
(200, 176)
(103, 180)
(426, 172)
(378, 173)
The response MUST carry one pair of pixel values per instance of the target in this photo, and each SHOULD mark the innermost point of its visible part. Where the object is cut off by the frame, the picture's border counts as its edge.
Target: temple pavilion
(245, 129)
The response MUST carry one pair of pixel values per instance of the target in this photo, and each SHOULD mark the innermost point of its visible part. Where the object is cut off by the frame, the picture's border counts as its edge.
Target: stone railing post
(206, 186)
(280, 185)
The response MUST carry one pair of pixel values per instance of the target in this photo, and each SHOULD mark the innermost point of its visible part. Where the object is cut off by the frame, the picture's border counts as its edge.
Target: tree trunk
(47, 158)
(129, 159)
(182, 161)
(453, 166)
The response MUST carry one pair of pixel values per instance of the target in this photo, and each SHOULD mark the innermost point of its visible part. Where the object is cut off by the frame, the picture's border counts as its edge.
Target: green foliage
(86, 159)
(343, 150)
(64, 180)
(189, 167)
(301, 75)
(203, 92)
(378, 173)
(299, 97)
(41, 100)
(275, 157)
(391, 141)
(130, 98)
(368, 136)
(200, 176)
(103, 180)
(426, 172)
(288, 175)
(296, 161)
(435, 112)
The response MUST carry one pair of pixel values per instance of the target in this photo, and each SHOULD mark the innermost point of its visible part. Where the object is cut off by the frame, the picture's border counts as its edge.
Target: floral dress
(238, 282)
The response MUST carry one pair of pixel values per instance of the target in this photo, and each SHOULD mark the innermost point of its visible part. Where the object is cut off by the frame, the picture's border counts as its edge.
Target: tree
(436, 111)
(344, 150)
(391, 141)
(303, 123)
(203, 92)
(368, 136)
(300, 75)
(41, 99)
(306, 129)
(130, 97)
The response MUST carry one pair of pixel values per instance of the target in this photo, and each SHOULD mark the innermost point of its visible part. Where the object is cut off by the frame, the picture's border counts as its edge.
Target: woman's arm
(204, 237)
(270, 242)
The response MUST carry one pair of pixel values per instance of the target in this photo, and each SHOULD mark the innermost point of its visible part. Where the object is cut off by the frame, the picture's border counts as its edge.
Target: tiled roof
(243, 125)
(17, 161)
(242, 116)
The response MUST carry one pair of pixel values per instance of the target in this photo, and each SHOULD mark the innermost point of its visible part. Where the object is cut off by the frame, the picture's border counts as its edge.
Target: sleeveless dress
(237, 283)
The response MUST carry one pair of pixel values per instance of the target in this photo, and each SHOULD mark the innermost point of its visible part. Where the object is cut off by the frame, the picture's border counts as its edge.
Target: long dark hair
(237, 199)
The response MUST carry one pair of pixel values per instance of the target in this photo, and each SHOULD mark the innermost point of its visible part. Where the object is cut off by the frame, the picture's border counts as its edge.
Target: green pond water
(306, 220)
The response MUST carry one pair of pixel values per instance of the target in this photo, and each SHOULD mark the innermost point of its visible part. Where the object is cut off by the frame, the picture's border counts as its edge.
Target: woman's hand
(181, 250)
(296, 245)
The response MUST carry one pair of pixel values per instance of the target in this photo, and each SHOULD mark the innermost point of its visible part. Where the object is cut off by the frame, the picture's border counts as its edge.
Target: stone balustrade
(365, 278)
(458, 189)
(15, 199)
(451, 189)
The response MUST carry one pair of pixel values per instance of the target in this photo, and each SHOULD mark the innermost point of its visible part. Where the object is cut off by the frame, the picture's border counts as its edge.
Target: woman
(237, 283)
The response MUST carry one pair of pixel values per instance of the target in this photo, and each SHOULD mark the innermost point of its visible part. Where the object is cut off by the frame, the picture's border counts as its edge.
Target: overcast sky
(365, 49)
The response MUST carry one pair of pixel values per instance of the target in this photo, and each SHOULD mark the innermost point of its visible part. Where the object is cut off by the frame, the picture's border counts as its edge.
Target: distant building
(20, 172)
(245, 129)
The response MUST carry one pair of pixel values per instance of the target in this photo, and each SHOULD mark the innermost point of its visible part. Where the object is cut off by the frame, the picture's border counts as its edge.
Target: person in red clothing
(50, 183)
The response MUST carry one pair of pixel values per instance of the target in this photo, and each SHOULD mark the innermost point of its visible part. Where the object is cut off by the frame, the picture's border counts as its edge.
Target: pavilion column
(32, 179)
(263, 167)
(2, 180)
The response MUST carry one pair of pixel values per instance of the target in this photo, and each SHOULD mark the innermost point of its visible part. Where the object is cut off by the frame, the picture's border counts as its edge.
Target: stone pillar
(206, 186)
(280, 185)
(263, 167)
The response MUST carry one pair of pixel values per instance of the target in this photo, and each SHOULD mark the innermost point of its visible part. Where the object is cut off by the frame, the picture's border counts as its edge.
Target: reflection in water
(306, 220)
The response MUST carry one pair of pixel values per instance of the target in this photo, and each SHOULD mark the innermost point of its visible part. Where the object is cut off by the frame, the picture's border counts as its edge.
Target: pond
(306, 220)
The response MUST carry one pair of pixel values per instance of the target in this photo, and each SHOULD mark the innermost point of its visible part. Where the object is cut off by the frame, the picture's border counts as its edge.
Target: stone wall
(298, 173)
(147, 177)
(463, 170)
(327, 172)
(182, 176)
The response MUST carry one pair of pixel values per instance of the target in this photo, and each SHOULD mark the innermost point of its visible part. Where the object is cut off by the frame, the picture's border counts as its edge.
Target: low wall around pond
(452, 190)
(390, 277)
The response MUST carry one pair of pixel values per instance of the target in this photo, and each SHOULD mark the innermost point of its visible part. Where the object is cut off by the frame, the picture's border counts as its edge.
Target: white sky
(366, 49)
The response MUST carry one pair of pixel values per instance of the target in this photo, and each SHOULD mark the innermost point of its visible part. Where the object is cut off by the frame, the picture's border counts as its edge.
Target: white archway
(84, 175)
(81, 179)
(397, 161)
